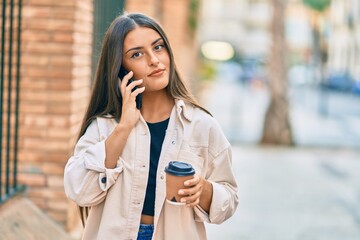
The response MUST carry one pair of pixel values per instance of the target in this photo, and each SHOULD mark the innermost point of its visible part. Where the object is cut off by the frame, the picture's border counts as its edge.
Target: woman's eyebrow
(154, 42)
(137, 48)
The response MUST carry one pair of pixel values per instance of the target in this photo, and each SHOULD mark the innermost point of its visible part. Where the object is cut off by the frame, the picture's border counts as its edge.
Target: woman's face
(146, 55)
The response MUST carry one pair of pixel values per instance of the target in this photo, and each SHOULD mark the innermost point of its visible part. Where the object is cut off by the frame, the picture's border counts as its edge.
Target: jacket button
(103, 180)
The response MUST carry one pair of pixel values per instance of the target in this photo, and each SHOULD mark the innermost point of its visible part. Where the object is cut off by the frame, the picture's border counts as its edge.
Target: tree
(277, 128)
(318, 5)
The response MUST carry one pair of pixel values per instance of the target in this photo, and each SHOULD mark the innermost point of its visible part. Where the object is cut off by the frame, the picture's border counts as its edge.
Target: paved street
(307, 192)
(294, 194)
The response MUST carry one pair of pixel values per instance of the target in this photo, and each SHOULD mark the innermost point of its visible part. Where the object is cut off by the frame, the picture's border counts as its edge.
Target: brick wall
(55, 85)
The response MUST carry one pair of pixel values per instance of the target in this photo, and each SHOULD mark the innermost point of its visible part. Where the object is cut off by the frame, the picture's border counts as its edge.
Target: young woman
(117, 171)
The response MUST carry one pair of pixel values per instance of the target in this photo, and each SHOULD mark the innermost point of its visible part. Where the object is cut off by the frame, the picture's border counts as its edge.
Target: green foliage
(207, 70)
(194, 7)
(318, 5)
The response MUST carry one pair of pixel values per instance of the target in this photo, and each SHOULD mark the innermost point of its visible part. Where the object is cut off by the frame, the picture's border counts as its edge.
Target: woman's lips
(157, 73)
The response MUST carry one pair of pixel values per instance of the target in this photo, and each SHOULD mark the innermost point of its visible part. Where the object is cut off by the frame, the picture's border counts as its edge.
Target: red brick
(55, 181)
(29, 35)
(26, 107)
(144, 6)
(31, 95)
(35, 120)
(62, 37)
(65, 12)
(36, 61)
(65, 3)
(58, 205)
(48, 48)
(58, 25)
(61, 61)
(59, 107)
(79, 37)
(31, 156)
(37, 12)
(59, 85)
(50, 73)
(48, 193)
(80, 60)
(34, 132)
(32, 84)
(37, 180)
(52, 168)
(58, 134)
(59, 121)
(28, 167)
(45, 144)
(59, 96)
(55, 87)
(37, 3)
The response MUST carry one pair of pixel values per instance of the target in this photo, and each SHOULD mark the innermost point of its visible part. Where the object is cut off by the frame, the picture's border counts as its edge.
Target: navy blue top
(157, 133)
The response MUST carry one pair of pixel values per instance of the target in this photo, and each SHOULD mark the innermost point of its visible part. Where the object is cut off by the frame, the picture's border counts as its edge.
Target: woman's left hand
(195, 191)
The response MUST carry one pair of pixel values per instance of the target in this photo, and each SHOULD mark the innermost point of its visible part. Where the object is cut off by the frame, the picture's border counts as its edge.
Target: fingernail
(186, 184)
(181, 192)
(182, 200)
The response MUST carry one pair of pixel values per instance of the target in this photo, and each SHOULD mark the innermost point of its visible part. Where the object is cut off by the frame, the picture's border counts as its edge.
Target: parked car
(339, 81)
(356, 88)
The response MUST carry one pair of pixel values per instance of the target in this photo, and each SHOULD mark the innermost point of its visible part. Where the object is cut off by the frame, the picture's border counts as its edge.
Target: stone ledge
(22, 219)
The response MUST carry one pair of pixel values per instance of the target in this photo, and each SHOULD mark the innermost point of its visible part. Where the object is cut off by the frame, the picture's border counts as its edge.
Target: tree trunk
(277, 128)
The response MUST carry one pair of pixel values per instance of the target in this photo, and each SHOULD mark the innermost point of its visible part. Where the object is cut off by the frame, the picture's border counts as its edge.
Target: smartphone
(121, 75)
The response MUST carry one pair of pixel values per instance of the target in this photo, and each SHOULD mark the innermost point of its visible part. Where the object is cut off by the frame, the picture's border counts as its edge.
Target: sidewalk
(307, 192)
(294, 194)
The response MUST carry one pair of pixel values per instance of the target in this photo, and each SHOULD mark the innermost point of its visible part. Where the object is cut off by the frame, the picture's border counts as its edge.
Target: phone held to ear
(121, 75)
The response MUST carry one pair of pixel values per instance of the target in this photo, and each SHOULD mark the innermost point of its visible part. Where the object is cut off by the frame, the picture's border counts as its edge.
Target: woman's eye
(136, 55)
(159, 47)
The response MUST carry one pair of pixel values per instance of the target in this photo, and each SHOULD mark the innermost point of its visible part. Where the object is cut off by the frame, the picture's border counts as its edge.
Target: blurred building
(58, 45)
(243, 24)
(336, 46)
(344, 38)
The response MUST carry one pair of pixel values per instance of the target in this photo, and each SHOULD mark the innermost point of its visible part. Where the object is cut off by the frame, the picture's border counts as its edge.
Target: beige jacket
(116, 204)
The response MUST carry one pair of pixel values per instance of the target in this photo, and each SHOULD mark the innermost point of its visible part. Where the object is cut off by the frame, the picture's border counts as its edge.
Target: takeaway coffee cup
(176, 174)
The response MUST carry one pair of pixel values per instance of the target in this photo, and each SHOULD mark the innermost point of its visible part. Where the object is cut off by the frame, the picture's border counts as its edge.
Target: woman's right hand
(115, 143)
(130, 114)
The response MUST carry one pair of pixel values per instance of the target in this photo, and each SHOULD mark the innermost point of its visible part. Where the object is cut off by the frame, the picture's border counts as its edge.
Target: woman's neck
(156, 106)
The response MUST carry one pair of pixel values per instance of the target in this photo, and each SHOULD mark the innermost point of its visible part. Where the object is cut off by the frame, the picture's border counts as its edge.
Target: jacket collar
(185, 110)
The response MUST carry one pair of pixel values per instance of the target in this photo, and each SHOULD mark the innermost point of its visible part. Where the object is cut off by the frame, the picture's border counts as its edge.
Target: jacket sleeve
(86, 180)
(225, 199)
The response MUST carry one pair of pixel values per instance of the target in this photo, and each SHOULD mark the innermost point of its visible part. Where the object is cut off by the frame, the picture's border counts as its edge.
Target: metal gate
(104, 13)
(10, 26)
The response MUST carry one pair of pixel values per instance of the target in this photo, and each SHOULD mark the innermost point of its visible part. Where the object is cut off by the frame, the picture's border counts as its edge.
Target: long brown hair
(104, 100)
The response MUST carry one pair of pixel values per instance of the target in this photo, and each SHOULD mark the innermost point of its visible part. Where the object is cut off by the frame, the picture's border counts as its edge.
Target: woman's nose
(153, 60)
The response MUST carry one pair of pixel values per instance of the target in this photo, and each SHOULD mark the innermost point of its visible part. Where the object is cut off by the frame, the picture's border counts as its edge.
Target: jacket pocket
(195, 160)
(179, 223)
